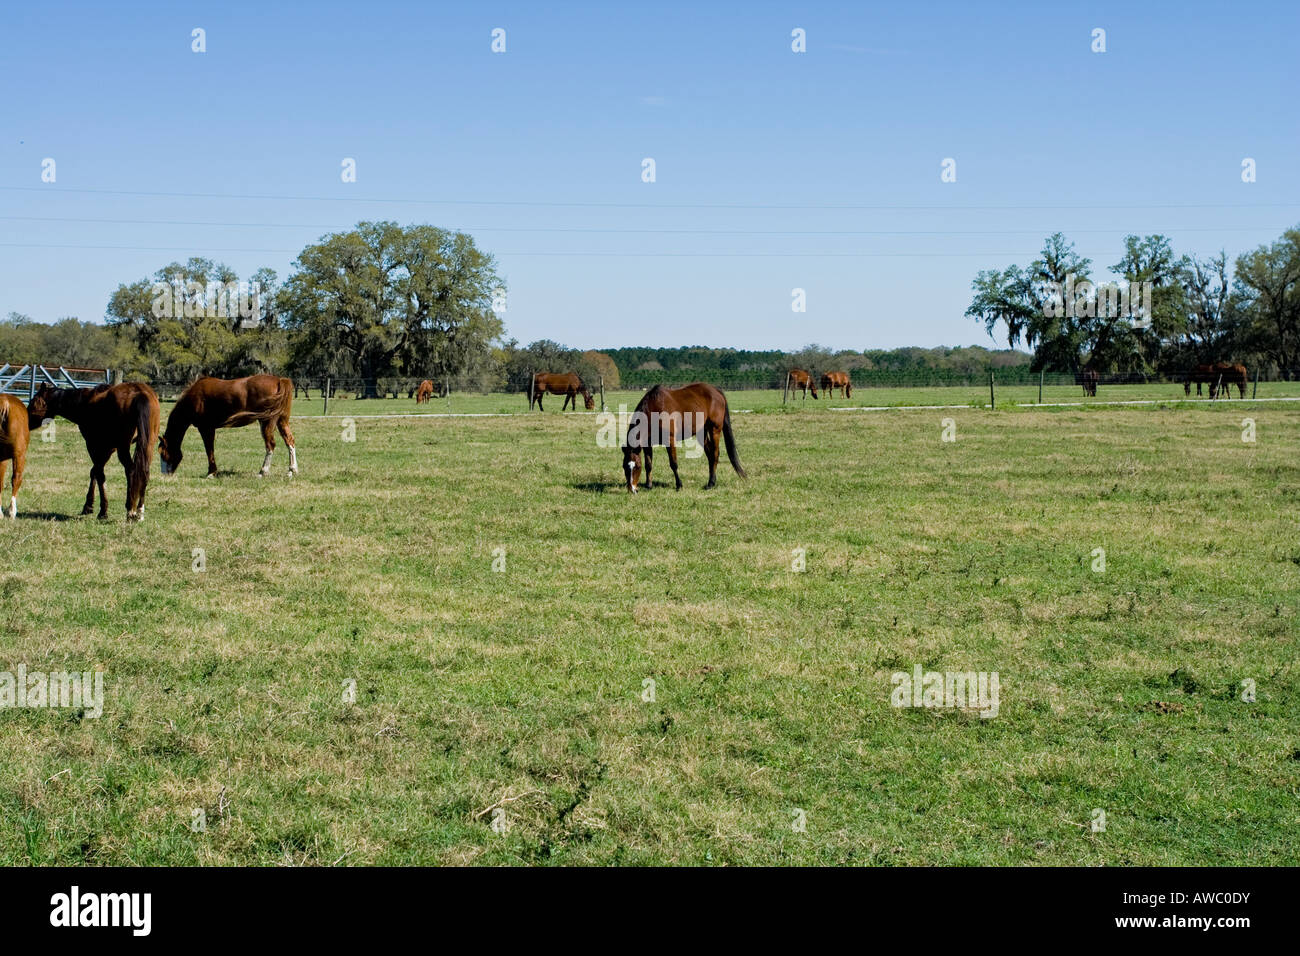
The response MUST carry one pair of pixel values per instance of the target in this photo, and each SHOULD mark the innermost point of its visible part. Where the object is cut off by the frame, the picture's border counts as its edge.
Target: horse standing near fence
(424, 393)
(833, 380)
(665, 415)
(802, 380)
(1202, 374)
(14, 431)
(1226, 375)
(1089, 378)
(110, 418)
(569, 385)
(212, 403)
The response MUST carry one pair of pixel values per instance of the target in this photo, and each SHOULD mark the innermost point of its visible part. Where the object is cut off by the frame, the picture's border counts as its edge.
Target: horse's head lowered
(44, 404)
(169, 456)
(587, 398)
(631, 467)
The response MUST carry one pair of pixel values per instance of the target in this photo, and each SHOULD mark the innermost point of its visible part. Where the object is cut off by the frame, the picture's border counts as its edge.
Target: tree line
(1162, 313)
(384, 303)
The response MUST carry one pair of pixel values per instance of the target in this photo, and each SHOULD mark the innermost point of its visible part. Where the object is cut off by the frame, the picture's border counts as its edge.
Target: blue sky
(775, 170)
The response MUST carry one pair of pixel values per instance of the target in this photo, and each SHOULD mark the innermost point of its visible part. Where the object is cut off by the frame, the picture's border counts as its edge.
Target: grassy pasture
(769, 400)
(521, 690)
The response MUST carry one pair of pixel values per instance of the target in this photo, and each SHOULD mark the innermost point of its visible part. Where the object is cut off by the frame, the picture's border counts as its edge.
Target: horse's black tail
(730, 440)
(146, 434)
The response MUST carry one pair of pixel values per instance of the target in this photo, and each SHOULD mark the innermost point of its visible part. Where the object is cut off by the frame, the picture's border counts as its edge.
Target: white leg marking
(13, 506)
(293, 461)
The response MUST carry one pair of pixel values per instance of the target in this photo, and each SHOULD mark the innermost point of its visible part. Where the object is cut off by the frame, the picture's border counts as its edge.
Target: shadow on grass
(599, 486)
(48, 516)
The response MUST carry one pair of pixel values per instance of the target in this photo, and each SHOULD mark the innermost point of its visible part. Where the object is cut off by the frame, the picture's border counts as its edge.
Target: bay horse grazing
(1227, 374)
(1202, 374)
(13, 446)
(833, 380)
(568, 385)
(802, 380)
(212, 403)
(424, 392)
(1089, 378)
(665, 415)
(110, 418)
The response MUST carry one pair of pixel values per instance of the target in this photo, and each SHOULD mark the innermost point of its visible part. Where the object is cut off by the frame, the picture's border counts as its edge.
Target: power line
(627, 255)
(639, 205)
(690, 232)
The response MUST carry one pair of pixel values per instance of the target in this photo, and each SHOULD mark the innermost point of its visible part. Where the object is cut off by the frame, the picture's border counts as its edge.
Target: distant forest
(71, 342)
(911, 365)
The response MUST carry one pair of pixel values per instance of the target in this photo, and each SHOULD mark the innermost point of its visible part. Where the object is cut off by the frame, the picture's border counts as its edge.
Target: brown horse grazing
(424, 392)
(666, 414)
(568, 385)
(1227, 374)
(13, 446)
(212, 403)
(801, 379)
(1089, 378)
(833, 380)
(1202, 374)
(109, 417)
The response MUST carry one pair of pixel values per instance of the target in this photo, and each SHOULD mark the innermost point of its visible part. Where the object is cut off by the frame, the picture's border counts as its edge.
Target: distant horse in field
(13, 446)
(212, 403)
(1202, 374)
(1089, 378)
(802, 380)
(1227, 375)
(665, 415)
(424, 392)
(833, 380)
(568, 385)
(110, 418)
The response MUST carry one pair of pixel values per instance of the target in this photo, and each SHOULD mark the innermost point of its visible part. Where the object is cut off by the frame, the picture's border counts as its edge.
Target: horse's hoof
(87, 511)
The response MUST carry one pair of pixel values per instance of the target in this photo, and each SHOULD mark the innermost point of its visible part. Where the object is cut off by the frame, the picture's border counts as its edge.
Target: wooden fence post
(327, 395)
(602, 393)
(785, 389)
(1254, 391)
(992, 400)
(1040, 386)
(532, 377)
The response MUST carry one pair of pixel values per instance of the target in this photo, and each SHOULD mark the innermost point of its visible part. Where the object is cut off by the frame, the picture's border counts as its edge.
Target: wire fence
(312, 387)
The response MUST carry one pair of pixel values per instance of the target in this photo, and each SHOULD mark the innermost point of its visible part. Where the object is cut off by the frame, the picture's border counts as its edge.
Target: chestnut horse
(801, 379)
(1227, 375)
(833, 380)
(110, 418)
(665, 414)
(13, 446)
(212, 403)
(1089, 378)
(424, 392)
(568, 385)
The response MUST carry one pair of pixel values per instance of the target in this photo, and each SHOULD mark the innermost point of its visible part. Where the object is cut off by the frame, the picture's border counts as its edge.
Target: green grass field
(516, 695)
(768, 400)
